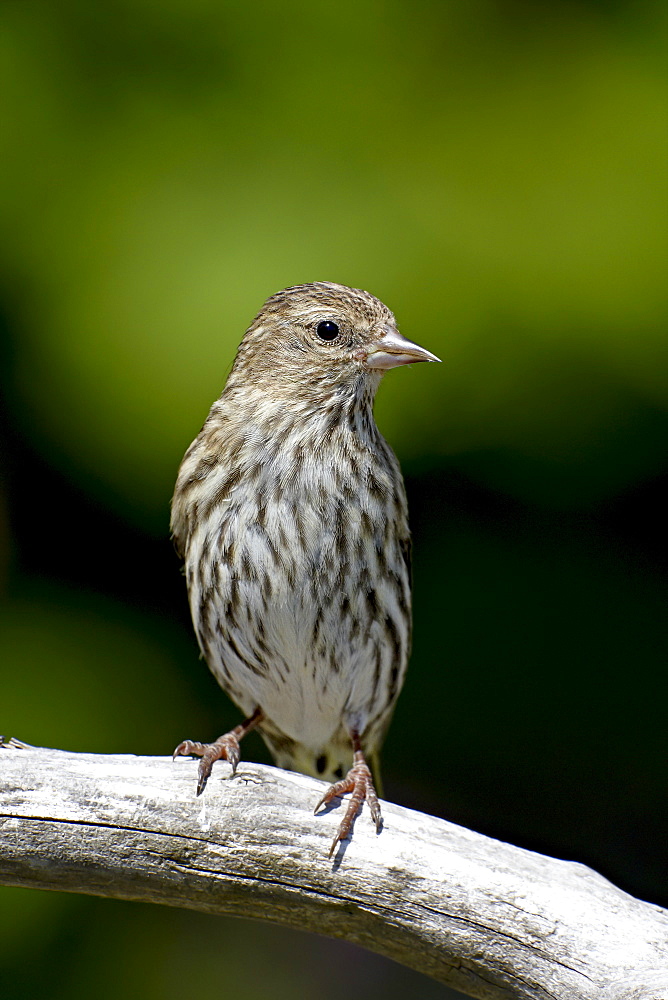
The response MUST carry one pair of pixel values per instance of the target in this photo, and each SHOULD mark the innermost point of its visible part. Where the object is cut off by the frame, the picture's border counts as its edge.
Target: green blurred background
(496, 172)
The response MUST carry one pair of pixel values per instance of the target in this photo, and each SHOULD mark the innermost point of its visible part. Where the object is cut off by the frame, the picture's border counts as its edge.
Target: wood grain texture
(491, 920)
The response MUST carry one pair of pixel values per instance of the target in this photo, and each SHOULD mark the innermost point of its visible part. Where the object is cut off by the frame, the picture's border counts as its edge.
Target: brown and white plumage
(290, 513)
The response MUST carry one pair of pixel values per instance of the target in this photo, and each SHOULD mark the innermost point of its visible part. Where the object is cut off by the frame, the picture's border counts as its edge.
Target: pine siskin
(290, 513)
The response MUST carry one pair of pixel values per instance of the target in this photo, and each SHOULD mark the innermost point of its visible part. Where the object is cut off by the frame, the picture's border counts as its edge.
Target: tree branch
(486, 918)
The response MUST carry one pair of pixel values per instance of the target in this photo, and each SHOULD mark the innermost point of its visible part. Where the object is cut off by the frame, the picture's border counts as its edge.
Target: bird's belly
(306, 616)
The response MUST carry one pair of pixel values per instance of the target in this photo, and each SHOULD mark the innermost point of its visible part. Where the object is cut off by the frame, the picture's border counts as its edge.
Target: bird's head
(322, 337)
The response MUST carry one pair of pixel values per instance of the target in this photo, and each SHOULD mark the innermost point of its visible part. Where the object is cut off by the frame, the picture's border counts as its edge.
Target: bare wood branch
(486, 918)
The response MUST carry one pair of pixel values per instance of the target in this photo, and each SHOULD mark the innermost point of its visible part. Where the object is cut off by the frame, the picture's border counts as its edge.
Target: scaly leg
(358, 781)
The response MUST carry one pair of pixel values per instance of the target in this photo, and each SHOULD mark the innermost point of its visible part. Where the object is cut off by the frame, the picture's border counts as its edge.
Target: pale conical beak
(392, 350)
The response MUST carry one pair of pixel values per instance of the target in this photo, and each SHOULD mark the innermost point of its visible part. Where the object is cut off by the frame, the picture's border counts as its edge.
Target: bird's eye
(327, 330)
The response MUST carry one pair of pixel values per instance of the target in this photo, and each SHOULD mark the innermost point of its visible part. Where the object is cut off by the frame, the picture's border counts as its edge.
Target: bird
(290, 515)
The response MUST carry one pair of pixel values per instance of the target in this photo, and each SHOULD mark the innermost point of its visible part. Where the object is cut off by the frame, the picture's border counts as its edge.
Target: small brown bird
(290, 513)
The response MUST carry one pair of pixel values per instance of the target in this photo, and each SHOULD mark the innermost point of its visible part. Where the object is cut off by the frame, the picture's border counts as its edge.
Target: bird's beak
(392, 350)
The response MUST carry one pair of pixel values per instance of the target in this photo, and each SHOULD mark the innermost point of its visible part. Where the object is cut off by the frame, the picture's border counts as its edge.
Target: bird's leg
(358, 781)
(226, 747)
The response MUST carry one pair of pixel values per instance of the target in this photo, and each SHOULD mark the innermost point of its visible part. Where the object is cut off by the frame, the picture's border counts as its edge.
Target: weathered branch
(486, 918)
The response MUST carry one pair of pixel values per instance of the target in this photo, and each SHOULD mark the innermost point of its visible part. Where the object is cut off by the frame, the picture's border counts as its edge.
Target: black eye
(327, 330)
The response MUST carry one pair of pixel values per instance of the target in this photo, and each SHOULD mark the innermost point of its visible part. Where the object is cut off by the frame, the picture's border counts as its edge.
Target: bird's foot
(359, 782)
(226, 747)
